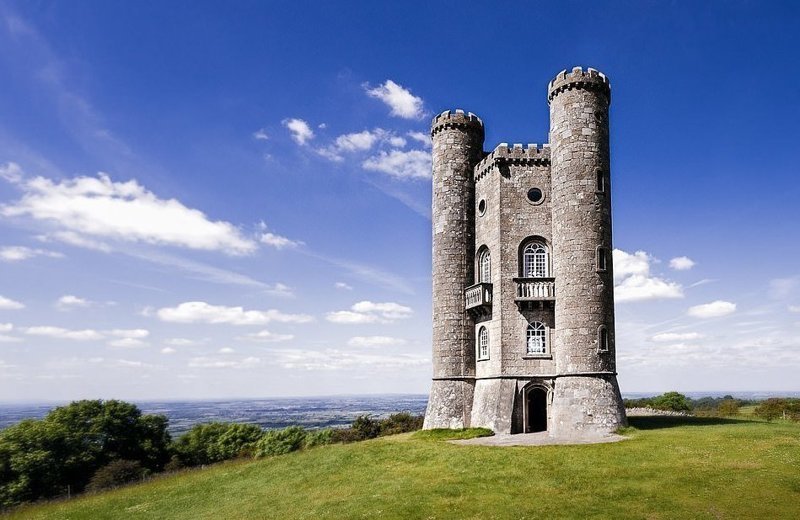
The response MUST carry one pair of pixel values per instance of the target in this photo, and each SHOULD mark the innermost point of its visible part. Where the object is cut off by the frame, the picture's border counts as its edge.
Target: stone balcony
(530, 290)
(478, 299)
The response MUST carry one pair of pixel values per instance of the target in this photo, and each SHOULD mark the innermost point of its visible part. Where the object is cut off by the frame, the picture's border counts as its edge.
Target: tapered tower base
(450, 404)
(590, 405)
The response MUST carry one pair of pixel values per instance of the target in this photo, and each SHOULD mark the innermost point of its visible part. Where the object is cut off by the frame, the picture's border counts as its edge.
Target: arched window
(536, 339)
(484, 266)
(483, 343)
(602, 339)
(535, 263)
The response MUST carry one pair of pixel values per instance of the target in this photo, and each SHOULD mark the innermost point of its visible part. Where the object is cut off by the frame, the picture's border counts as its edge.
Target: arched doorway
(536, 410)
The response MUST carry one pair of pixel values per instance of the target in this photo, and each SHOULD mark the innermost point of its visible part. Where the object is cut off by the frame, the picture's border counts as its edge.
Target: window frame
(542, 255)
(537, 329)
(484, 266)
(603, 339)
(483, 333)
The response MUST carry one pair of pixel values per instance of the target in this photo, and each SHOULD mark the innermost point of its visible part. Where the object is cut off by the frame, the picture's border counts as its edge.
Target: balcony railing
(535, 289)
(478, 297)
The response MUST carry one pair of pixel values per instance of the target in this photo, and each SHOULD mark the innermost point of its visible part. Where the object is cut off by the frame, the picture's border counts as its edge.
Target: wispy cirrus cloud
(20, 253)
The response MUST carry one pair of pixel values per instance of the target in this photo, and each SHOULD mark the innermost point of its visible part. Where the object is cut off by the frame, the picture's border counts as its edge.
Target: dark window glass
(535, 195)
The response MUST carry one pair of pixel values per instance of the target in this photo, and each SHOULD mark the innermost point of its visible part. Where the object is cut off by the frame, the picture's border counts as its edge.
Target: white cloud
(633, 281)
(74, 239)
(681, 263)
(397, 141)
(226, 350)
(267, 336)
(375, 341)
(714, 309)
(260, 135)
(182, 342)
(212, 362)
(129, 333)
(11, 172)
(61, 333)
(421, 137)
(278, 242)
(343, 286)
(202, 312)
(676, 336)
(402, 102)
(301, 132)
(359, 142)
(127, 343)
(98, 207)
(780, 288)
(370, 312)
(280, 289)
(19, 253)
(334, 359)
(168, 350)
(69, 301)
(411, 164)
(6, 327)
(794, 308)
(7, 304)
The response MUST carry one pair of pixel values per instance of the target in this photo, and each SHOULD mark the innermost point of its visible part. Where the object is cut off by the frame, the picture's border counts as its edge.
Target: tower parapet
(590, 79)
(503, 154)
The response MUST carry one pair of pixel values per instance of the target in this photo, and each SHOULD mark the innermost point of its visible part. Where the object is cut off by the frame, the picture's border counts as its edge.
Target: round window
(482, 207)
(535, 195)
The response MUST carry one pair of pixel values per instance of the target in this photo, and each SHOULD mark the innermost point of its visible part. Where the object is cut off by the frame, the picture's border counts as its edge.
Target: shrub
(116, 473)
(366, 427)
(775, 408)
(216, 441)
(728, 408)
(318, 438)
(280, 442)
(401, 423)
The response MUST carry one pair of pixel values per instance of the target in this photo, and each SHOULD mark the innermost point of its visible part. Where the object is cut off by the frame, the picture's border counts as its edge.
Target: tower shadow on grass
(657, 422)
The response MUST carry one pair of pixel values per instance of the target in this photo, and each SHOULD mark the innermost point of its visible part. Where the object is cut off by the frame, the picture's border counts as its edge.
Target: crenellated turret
(586, 394)
(457, 147)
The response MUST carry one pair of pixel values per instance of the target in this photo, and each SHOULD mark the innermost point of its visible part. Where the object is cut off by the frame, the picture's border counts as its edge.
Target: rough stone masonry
(523, 290)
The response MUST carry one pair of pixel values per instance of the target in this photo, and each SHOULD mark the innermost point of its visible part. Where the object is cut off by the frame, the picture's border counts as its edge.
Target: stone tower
(523, 294)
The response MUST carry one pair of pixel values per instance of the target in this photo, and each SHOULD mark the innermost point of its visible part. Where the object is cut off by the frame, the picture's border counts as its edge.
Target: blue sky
(201, 199)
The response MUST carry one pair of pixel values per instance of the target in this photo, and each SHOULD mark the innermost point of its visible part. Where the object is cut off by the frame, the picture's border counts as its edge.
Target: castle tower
(586, 395)
(523, 285)
(457, 148)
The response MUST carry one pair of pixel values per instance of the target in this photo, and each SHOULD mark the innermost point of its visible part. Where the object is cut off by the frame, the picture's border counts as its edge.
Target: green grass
(671, 467)
(443, 434)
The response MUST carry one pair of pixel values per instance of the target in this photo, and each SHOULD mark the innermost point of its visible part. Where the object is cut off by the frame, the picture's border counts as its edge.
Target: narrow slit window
(602, 260)
(602, 339)
(601, 181)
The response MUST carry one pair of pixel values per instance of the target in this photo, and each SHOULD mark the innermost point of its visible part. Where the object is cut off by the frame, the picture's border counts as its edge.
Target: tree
(40, 458)
(215, 441)
(674, 401)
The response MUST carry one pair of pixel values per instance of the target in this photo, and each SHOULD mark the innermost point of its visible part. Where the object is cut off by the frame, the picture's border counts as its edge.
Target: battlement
(590, 79)
(515, 154)
(455, 119)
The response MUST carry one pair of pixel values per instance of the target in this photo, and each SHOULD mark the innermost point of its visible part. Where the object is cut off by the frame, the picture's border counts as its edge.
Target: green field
(669, 468)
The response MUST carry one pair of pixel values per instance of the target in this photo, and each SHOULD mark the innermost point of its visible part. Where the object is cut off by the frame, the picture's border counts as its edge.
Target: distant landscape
(308, 412)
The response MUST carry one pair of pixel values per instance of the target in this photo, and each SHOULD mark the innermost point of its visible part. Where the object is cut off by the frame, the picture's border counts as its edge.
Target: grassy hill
(671, 467)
